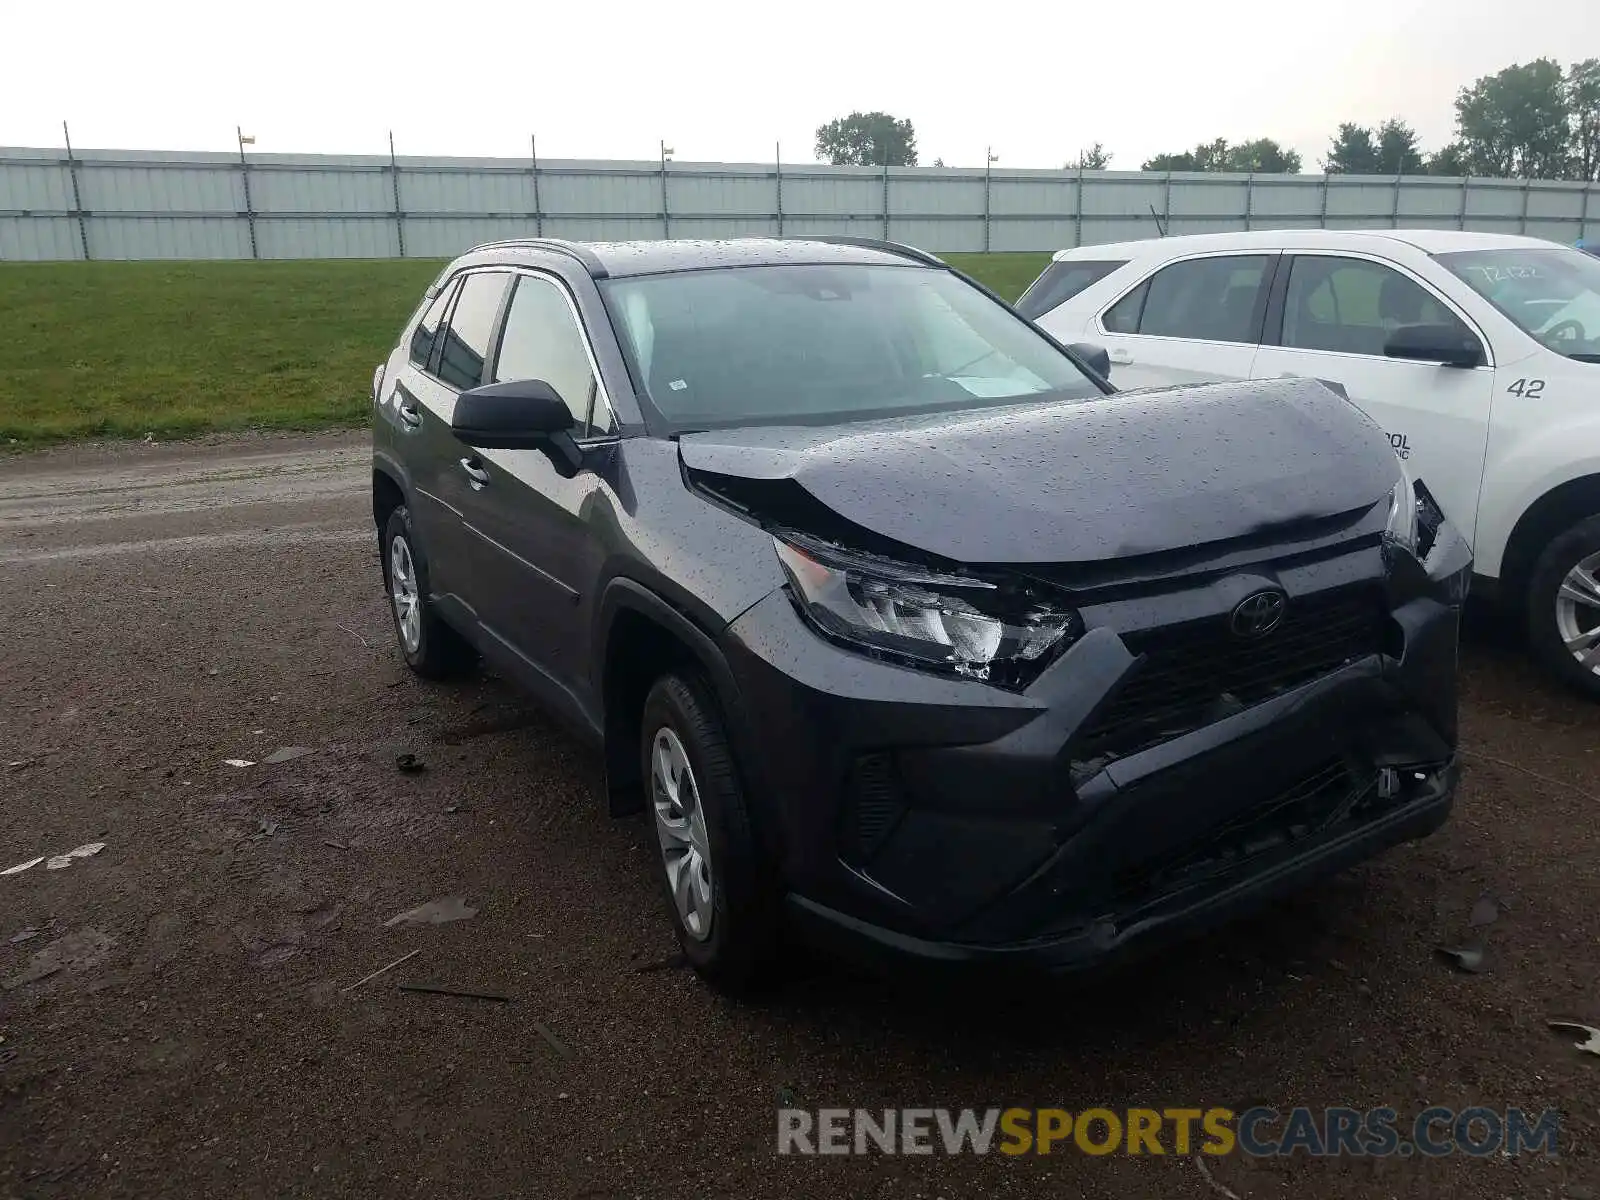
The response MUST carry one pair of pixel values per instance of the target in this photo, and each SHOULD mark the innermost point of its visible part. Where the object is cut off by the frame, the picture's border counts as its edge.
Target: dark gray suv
(909, 634)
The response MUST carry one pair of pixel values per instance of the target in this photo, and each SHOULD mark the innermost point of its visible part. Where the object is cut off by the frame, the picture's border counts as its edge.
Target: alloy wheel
(1578, 612)
(403, 590)
(681, 830)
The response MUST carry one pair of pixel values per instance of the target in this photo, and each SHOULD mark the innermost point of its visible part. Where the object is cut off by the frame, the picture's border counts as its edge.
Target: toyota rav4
(906, 634)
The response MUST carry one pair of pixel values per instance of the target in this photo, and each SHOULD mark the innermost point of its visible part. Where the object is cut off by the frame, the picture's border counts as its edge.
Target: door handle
(474, 468)
(1122, 356)
(410, 414)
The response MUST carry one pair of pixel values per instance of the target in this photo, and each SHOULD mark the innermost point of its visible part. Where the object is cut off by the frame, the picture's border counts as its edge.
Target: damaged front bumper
(948, 821)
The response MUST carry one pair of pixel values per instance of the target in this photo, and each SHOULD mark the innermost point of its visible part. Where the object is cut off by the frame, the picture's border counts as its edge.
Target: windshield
(801, 344)
(1553, 294)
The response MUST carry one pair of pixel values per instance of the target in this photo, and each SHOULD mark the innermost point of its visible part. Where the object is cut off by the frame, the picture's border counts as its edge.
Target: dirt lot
(168, 610)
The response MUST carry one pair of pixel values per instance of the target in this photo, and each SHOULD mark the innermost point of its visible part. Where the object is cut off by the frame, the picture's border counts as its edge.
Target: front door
(527, 515)
(1337, 314)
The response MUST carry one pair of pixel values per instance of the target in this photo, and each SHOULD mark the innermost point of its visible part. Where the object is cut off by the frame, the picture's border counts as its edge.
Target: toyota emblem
(1258, 614)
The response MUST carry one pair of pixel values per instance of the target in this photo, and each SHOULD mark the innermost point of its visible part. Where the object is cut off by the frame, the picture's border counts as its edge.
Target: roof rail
(583, 254)
(888, 247)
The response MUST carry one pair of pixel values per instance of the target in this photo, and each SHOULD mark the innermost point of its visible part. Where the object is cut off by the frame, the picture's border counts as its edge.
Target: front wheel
(1564, 607)
(723, 902)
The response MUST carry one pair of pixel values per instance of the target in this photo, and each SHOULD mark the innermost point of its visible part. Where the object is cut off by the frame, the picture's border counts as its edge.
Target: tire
(1554, 617)
(733, 941)
(431, 648)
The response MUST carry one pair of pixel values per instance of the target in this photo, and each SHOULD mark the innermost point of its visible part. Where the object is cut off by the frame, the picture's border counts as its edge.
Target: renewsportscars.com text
(1377, 1132)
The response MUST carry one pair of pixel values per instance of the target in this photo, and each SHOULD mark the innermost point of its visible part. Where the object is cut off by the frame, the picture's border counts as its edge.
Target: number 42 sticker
(1528, 389)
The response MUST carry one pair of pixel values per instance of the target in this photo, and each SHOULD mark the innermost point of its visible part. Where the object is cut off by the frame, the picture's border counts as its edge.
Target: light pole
(244, 176)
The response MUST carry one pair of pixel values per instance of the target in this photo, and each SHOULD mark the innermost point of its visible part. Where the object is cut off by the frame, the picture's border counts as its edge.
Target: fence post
(1077, 231)
(244, 176)
(1394, 209)
(77, 196)
(777, 158)
(538, 209)
(886, 197)
(1249, 200)
(1166, 207)
(394, 183)
(1583, 213)
(1527, 185)
(666, 217)
(988, 164)
(1322, 219)
(1461, 216)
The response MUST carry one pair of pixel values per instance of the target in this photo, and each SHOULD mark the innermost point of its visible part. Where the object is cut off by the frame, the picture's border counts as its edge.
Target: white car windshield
(814, 344)
(1554, 294)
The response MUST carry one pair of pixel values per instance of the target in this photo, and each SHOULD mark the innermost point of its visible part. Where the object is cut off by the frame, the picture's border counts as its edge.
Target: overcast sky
(724, 81)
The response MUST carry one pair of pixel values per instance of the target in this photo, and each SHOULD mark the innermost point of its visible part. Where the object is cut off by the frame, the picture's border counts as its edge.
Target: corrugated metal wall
(110, 204)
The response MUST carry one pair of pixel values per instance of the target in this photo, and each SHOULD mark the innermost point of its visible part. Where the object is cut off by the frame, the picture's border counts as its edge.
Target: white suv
(1479, 354)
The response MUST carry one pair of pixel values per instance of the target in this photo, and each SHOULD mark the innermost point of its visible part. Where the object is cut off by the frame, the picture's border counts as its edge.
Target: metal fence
(123, 204)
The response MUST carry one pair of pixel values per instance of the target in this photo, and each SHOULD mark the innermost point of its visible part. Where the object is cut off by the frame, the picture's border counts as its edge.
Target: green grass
(119, 350)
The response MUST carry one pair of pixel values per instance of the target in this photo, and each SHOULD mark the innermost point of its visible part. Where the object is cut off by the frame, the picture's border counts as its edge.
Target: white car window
(1352, 306)
(1212, 299)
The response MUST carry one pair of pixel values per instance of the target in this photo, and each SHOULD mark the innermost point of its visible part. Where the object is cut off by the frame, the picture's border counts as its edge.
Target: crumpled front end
(1174, 765)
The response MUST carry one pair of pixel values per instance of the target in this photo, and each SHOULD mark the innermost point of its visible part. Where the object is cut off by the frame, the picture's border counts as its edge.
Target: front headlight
(1402, 526)
(952, 623)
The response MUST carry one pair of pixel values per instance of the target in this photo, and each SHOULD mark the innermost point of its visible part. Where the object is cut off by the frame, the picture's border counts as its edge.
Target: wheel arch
(642, 636)
(388, 490)
(1557, 510)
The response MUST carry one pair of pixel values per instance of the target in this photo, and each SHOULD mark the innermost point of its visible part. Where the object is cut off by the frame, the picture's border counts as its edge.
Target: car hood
(1087, 481)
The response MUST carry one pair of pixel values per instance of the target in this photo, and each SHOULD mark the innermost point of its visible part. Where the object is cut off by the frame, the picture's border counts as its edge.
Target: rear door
(418, 409)
(1196, 320)
(459, 365)
(1330, 318)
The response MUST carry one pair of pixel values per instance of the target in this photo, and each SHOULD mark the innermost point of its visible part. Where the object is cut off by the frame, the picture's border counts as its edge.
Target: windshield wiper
(1585, 356)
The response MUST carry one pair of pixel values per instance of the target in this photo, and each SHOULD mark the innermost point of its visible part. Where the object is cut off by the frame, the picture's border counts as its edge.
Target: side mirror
(1098, 360)
(1449, 345)
(522, 414)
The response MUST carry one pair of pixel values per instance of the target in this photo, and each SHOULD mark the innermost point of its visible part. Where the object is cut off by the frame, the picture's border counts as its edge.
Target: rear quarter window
(1061, 281)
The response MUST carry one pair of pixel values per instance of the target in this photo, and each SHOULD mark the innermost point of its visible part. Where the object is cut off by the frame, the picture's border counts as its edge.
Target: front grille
(1200, 672)
(1322, 798)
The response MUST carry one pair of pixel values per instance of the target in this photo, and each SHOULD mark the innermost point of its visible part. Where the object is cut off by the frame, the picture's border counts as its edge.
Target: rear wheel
(722, 899)
(1564, 607)
(432, 649)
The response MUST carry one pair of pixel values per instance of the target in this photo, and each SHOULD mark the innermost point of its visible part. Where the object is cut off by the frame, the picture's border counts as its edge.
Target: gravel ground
(176, 1011)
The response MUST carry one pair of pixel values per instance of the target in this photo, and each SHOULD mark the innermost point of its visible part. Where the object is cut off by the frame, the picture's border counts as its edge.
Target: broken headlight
(1402, 526)
(953, 623)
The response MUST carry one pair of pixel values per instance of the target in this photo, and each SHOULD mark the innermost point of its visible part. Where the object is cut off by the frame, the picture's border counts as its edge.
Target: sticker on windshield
(677, 385)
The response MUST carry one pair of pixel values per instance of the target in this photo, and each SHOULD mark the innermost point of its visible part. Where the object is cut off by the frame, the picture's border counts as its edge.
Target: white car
(1479, 354)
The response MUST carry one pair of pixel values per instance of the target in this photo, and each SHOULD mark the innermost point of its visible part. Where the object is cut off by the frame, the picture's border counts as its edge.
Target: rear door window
(1216, 299)
(427, 330)
(467, 337)
(1061, 281)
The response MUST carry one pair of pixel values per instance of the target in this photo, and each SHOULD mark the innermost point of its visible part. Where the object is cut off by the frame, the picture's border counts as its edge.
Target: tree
(1398, 153)
(938, 162)
(1263, 156)
(1353, 152)
(873, 139)
(1583, 110)
(1450, 160)
(1095, 158)
(1515, 122)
